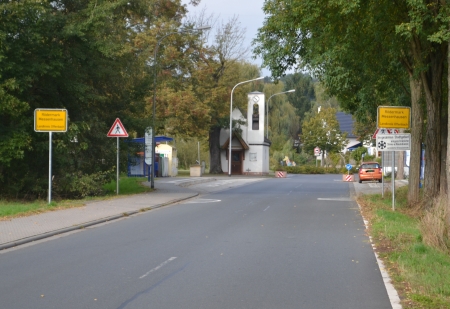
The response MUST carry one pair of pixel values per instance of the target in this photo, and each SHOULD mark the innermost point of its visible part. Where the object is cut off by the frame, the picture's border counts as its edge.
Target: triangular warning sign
(374, 136)
(117, 130)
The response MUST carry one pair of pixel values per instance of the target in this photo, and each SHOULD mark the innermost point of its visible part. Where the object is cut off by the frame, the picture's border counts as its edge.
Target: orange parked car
(369, 171)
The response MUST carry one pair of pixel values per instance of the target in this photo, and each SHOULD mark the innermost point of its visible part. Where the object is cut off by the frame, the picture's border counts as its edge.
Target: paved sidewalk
(19, 231)
(374, 187)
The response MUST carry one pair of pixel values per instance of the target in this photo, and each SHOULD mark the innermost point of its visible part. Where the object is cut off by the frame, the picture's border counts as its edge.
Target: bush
(311, 169)
(78, 185)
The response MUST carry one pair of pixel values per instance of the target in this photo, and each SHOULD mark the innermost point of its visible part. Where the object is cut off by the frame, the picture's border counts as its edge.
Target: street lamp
(267, 109)
(231, 119)
(154, 93)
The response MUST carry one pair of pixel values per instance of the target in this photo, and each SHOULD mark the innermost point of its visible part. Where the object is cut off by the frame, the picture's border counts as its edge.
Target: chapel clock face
(255, 99)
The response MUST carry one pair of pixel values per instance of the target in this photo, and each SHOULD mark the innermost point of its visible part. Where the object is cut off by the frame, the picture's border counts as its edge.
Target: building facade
(249, 147)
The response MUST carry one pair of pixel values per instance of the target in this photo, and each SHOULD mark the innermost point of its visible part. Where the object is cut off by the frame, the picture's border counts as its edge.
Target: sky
(249, 13)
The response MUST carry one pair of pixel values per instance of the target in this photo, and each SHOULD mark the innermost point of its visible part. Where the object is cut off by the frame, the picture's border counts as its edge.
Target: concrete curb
(89, 223)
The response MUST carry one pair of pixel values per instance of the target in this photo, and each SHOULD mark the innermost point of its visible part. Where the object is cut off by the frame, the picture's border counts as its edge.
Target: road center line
(266, 208)
(157, 267)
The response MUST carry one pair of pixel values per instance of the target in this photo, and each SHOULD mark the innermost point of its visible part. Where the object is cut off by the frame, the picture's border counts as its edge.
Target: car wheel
(360, 181)
(379, 180)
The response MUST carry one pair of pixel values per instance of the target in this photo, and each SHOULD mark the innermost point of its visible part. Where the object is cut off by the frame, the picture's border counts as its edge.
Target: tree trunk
(447, 162)
(432, 82)
(214, 151)
(416, 140)
(444, 137)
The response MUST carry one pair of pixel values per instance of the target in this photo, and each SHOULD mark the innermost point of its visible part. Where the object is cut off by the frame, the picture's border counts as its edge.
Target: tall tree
(205, 103)
(362, 51)
(322, 130)
(304, 94)
(81, 56)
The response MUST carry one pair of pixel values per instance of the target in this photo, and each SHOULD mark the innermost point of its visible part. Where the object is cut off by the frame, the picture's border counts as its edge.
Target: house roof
(353, 146)
(346, 123)
(239, 138)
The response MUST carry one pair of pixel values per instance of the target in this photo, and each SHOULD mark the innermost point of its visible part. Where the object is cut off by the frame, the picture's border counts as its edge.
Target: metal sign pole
(382, 174)
(117, 190)
(49, 167)
(393, 180)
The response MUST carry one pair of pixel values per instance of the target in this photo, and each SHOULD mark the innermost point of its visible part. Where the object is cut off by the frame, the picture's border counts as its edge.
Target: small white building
(167, 159)
(249, 147)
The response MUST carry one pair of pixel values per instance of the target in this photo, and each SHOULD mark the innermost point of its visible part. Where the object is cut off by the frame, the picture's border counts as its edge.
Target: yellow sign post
(50, 120)
(394, 117)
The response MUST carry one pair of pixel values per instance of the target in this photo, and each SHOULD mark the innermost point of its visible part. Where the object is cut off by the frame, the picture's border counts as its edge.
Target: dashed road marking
(157, 267)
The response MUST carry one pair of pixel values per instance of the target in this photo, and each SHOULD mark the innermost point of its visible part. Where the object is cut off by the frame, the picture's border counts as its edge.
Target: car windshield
(372, 165)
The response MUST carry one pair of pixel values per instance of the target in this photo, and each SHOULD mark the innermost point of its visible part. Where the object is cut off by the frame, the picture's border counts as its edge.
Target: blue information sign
(348, 166)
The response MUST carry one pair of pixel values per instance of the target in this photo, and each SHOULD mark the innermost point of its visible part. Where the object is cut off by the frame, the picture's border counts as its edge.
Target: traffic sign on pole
(385, 131)
(394, 142)
(316, 151)
(50, 120)
(117, 129)
(148, 146)
(394, 117)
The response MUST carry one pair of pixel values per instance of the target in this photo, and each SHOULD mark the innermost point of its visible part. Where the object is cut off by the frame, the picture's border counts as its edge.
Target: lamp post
(267, 110)
(231, 120)
(154, 93)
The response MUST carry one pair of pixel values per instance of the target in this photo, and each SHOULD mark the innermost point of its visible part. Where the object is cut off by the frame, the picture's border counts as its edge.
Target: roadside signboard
(148, 146)
(348, 166)
(394, 117)
(394, 142)
(117, 129)
(316, 151)
(384, 131)
(50, 120)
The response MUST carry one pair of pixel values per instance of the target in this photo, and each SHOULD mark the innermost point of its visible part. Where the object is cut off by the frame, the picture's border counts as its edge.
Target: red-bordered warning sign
(117, 130)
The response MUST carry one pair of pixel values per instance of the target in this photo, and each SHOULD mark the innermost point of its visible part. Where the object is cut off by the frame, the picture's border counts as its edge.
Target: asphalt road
(297, 242)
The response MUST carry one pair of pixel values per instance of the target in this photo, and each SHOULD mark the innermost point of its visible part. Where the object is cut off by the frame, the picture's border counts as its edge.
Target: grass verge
(419, 272)
(127, 186)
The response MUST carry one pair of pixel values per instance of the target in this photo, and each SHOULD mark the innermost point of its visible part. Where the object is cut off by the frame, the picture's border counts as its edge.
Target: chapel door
(236, 162)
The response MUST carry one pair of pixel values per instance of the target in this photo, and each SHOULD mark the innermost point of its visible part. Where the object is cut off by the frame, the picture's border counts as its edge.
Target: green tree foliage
(201, 105)
(369, 53)
(304, 96)
(284, 122)
(83, 56)
(322, 130)
(187, 152)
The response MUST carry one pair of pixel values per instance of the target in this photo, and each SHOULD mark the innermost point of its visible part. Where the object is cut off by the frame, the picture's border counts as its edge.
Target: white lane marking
(340, 199)
(157, 267)
(299, 186)
(290, 192)
(202, 201)
(392, 292)
(266, 208)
